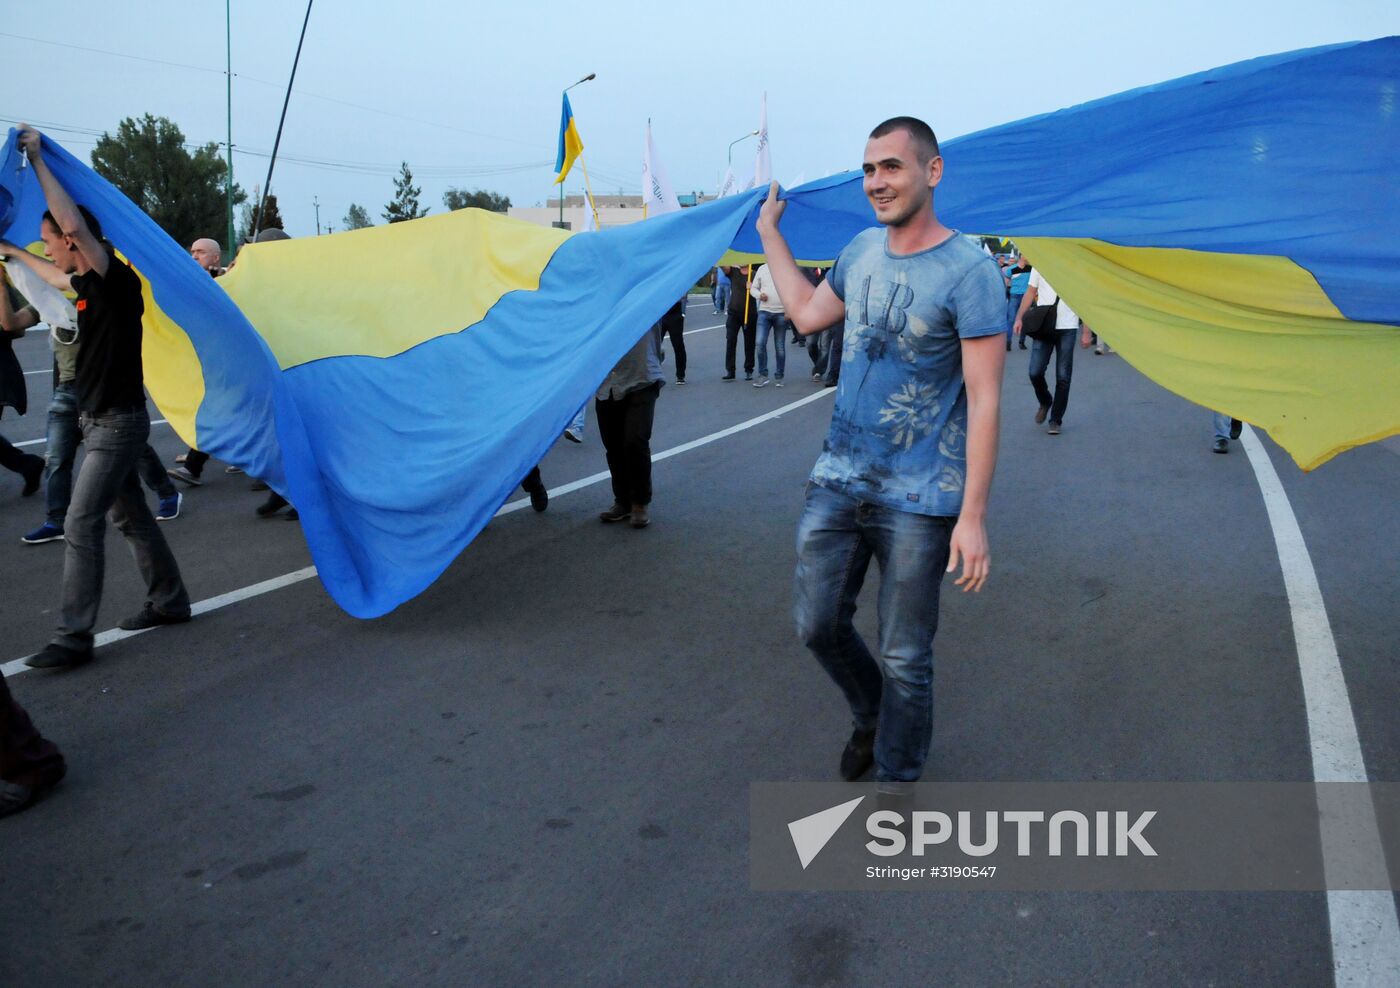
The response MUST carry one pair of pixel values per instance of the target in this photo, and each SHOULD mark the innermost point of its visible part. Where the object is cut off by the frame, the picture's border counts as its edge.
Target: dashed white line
(17, 666)
(1364, 926)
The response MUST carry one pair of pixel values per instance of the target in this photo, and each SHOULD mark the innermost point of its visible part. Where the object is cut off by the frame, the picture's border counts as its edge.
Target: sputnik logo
(812, 833)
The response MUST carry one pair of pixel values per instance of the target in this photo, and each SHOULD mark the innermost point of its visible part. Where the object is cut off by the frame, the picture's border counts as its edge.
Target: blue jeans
(1063, 348)
(1221, 424)
(774, 324)
(61, 448)
(1012, 305)
(836, 539)
(107, 487)
(721, 298)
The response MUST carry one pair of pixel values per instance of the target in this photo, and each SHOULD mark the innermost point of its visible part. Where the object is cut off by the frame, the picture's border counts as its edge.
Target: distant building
(612, 210)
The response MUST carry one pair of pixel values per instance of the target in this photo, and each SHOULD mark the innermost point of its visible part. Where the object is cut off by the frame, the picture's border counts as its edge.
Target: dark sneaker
(232, 469)
(680, 380)
(539, 498)
(47, 532)
(727, 377)
(748, 377)
(275, 502)
(169, 508)
(618, 512)
(573, 436)
(1040, 415)
(33, 476)
(640, 516)
(1054, 429)
(1236, 427)
(858, 756)
(183, 475)
(1221, 446)
(150, 616)
(56, 656)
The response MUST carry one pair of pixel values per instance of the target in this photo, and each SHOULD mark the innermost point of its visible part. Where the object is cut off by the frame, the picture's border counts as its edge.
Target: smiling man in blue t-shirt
(906, 468)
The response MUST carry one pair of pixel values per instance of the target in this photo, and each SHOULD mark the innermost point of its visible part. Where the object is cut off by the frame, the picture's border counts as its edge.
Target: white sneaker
(762, 382)
(778, 383)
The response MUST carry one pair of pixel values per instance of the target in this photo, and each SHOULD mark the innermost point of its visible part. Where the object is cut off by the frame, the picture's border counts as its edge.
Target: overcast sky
(468, 92)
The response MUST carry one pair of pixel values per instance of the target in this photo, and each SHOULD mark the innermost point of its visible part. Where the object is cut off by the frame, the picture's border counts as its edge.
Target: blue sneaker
(170, 507)
(47, 532)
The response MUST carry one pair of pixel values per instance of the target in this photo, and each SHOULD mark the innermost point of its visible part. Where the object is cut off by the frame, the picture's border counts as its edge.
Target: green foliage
(182, 191)
(356, 217)
(271, 220)
(477, 198)
(404, 205)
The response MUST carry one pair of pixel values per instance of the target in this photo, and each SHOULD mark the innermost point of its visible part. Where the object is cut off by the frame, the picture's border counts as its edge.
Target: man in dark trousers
(673, 325)
(29, 765)
(743, 315)
(626, 407)
(116, 425)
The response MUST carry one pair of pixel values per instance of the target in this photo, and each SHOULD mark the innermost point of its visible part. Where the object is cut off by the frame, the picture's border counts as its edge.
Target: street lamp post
(752, 133)
(587, 78)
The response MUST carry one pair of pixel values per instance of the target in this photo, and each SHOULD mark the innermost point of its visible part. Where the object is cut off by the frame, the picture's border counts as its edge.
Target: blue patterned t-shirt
(899, 429)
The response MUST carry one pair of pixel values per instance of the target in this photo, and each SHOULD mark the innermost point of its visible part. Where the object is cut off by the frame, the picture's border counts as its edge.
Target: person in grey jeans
(112, 406)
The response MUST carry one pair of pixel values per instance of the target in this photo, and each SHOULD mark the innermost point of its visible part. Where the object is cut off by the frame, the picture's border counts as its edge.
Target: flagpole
(588, 78)
(591, 208)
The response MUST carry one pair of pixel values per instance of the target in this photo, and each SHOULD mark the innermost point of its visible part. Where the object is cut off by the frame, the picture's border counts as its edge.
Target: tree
(479, 198)
(404, 205)
(183, 192)
(357, 217)
(272, 217)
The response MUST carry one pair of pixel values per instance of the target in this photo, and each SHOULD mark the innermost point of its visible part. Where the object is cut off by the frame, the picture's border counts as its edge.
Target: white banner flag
(657, 197)
(729, 186)
(763, 163)
(590, 216)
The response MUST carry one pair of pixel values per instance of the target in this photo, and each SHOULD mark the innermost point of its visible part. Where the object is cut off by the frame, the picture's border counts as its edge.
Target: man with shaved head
(209, 255)
(906, 469)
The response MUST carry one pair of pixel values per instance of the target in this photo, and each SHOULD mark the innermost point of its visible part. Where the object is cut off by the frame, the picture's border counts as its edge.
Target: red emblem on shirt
(82, 304)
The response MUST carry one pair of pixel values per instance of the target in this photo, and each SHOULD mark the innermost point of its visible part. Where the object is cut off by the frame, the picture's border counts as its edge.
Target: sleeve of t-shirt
(835, 276)
(1036, 282)
(979, 301)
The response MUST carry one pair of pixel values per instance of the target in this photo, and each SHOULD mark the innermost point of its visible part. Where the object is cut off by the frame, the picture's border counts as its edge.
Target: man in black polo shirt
(112, 403)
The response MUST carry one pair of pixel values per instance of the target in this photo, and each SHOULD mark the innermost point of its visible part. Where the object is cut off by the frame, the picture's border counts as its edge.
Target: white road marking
(40, 442)
(1364, 926)
(28, 373)
(17, 666)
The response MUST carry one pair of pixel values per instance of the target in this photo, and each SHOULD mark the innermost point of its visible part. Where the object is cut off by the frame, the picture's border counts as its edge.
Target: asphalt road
(538, 770)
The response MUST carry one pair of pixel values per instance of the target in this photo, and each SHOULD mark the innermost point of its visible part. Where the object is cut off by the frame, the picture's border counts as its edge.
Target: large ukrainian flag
(1235, 233)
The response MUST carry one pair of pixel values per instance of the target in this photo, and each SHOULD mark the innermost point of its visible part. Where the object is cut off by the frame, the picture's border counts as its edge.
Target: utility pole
(317, 204)
(228, 175)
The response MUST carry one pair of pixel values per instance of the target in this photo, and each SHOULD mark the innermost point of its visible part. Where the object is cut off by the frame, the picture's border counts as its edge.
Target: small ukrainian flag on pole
(570, 144)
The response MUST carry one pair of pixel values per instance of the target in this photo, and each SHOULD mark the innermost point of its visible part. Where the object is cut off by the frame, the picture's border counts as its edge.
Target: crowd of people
(915, 315)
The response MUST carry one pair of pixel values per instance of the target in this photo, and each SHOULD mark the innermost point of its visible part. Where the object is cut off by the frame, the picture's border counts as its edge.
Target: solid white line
(37, 442)
(703, 329)
(1365, 928)
(17, 666)
(28, 373)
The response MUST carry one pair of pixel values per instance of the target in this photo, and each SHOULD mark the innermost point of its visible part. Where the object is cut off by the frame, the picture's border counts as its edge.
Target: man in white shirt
(1039, 292)
(772, 321)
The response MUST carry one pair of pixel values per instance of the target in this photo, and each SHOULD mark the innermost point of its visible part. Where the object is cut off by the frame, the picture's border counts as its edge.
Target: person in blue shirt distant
(906, 468)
